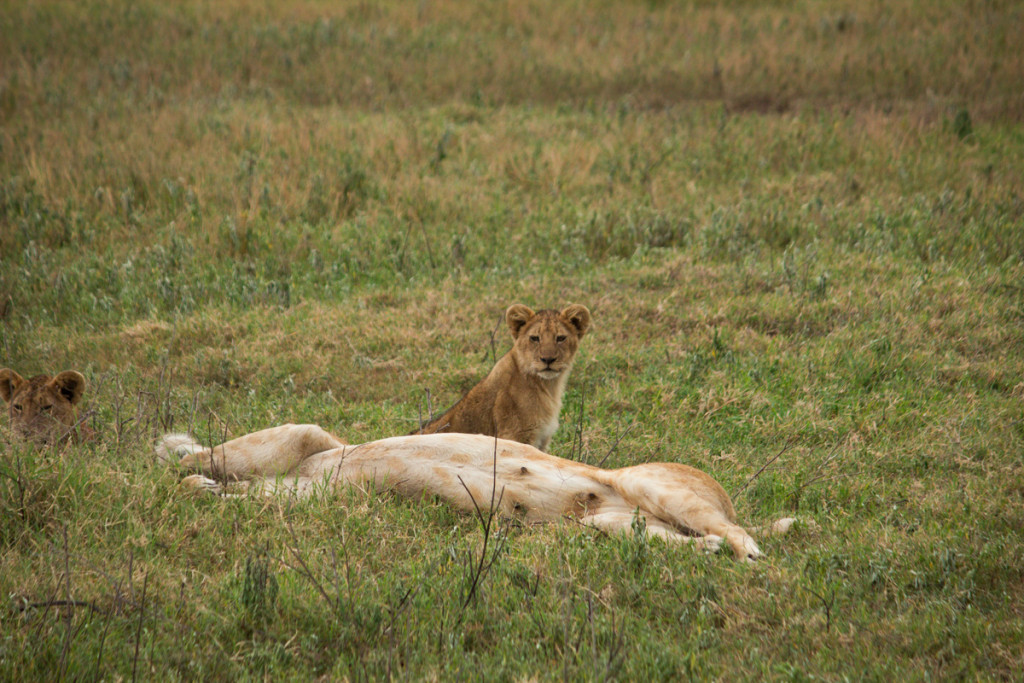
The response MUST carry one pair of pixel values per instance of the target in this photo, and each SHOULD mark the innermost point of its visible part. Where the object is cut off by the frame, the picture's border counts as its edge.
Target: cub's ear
(70, 384)
(578, 316)
(516, 316)
(9, 383)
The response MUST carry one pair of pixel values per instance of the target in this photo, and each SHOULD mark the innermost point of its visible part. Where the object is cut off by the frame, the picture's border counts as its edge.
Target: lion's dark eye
(534, 338)
(46, 409)
(560, 338)
(17, 407)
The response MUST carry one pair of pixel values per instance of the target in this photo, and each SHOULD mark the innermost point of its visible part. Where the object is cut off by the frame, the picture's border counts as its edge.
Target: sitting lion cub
(42, 409)
(471, 472)
(521, 397)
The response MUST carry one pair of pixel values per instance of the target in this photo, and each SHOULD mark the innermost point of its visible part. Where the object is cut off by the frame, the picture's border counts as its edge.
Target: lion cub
(42, 409)
(521, 397)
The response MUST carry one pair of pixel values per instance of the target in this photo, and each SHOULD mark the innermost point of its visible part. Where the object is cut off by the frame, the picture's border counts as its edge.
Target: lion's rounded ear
(9, 383)
(70, 384)
(516, 316)
(578, 316)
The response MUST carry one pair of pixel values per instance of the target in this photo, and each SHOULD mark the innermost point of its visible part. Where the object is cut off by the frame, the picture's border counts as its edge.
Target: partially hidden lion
(474, 472)
(42, 409)
(521, 397)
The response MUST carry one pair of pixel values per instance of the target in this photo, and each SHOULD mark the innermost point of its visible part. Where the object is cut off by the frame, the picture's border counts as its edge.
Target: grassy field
(799, 227)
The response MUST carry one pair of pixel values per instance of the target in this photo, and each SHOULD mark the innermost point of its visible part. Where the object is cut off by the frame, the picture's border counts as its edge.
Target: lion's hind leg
(267, 453)
(620, 522)
(744, 547)
(708, 518)
(687, 499)
(171, 448)
(294, 486)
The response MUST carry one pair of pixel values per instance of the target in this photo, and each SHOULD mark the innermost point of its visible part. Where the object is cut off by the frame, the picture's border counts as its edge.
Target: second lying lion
(42, 408)
(677, 503)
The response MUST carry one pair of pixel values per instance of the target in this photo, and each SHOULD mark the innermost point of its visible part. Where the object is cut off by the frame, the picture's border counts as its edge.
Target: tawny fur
(42, 409)
(678, 503)
(521, 397)
(172, 447)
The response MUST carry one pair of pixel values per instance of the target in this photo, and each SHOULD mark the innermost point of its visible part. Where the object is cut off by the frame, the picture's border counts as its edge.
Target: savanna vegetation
(799, 227)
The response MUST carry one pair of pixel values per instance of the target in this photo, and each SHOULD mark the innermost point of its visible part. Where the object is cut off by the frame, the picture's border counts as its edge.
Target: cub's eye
(46, 409)
(560, 338)
(534, 338)
(17, 407)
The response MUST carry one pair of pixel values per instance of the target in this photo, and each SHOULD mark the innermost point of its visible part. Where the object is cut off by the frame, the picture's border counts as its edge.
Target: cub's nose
(548, 361)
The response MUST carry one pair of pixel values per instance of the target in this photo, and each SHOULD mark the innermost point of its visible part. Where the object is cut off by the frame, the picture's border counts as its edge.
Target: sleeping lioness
(42, 409)
(471, 472)
(521, 397)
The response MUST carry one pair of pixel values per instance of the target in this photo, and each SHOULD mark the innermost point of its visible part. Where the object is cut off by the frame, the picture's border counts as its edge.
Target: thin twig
(430, 410)
(826, 604)
(192, 412)
(78, 423)
(426, 241)
(138, 630)
(405, 243)
(67, 592)
(577, 437)
(25, 607)
(818, 475)
(46, 608)
(616, 444)
(764, 467)
(483, 567)
(712, 411)
(103, 640)
(494, 332)
(304, 568)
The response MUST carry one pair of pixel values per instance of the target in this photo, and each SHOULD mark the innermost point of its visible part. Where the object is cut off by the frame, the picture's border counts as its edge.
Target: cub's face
(41, 409)
(546, 341)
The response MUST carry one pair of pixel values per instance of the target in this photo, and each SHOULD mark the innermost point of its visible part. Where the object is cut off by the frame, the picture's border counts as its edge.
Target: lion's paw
(709, 543)
(200, 484)
(751, 553)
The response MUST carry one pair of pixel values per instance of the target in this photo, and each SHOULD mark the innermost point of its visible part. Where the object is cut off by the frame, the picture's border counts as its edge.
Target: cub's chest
(546, 429)
(545, 419)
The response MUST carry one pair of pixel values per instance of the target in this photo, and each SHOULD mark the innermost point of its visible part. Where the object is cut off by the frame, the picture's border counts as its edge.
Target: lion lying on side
(678, 503)
(521, 397)
(42, 409)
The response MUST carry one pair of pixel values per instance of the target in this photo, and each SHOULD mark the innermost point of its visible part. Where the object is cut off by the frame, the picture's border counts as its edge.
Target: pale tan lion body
(521, 397)
(42, 409)
(677, 503)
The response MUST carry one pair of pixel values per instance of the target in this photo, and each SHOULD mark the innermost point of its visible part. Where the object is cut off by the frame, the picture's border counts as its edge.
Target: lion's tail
(173, 447)
(776, 528)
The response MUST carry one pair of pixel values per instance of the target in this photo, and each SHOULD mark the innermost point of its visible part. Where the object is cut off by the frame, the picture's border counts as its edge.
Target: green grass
(799, 227)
